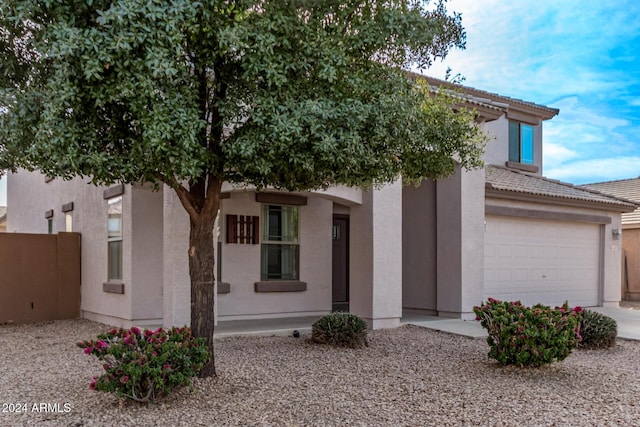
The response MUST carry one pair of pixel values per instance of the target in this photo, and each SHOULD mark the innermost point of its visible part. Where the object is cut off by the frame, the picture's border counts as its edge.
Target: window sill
(113, 287)
(523, 167)
(280, 286)
(224, 288)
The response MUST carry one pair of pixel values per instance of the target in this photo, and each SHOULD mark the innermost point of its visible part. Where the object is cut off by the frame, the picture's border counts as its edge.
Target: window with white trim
(68, 222)
(280, 246)
(114, 228)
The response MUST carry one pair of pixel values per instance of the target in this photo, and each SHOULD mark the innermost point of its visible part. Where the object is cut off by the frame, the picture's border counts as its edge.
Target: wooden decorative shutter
(232, 229)
(243, 229)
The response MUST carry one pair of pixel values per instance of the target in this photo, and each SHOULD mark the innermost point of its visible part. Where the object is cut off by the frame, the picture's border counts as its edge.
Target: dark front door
(340, 281)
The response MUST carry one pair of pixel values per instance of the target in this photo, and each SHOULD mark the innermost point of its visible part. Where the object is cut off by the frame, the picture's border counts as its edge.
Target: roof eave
(517, 105)
(490, 191)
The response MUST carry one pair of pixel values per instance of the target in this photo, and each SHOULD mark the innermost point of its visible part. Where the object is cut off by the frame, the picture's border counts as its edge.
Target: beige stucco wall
(146, 255)
(631, 262)
(241, 265)
(612, 254)
(175, 266)
(460, 243)
(419, 248)
(443, 245)
(376, 257)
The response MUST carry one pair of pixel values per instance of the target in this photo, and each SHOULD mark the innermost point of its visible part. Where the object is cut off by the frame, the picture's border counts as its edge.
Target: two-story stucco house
(503, 231)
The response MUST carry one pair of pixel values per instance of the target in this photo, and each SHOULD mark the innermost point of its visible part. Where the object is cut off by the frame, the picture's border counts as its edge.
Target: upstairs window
(280, 247)
(520, 143)
(114, 228)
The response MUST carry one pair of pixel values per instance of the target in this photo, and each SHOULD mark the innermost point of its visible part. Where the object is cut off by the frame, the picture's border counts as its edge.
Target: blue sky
(581, 56)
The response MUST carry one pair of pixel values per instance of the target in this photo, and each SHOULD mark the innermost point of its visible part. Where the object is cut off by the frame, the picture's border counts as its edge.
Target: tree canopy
(291, 94)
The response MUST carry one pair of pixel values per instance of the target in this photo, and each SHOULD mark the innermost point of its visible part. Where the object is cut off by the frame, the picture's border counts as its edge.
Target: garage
(542, 261)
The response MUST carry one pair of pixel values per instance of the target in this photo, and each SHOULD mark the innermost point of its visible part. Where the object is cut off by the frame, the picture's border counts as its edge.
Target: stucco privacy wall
(610, 247)
(29, 197)
(40, 277)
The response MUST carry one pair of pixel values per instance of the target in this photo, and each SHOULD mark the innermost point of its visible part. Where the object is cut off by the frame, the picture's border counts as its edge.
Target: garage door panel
(542, 261)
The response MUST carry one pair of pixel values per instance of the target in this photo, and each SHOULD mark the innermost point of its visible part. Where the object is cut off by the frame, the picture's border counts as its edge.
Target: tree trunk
(201, 271)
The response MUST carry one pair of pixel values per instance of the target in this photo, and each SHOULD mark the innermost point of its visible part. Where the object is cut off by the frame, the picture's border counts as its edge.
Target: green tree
(293, 94)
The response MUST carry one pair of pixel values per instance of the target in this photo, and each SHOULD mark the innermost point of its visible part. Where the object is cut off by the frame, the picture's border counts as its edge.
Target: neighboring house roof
(3, 214)
(512, 183)
(626, 188)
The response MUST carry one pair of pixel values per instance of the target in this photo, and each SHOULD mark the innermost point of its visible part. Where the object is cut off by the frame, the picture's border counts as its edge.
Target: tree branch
(183, 194)
(213, 194)
(186, 200)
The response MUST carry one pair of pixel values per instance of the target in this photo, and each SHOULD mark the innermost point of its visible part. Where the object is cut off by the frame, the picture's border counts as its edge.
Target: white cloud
(556, 155)
(544, 52)
(586, 144)
(597, 170)
(573, 109)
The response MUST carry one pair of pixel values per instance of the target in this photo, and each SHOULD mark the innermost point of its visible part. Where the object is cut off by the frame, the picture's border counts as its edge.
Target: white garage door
(538, 261)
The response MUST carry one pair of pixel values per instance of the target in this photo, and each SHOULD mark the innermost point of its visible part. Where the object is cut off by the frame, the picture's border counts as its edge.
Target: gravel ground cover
(408, 376)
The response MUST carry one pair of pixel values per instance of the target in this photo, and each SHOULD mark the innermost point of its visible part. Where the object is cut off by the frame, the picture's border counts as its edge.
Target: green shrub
(341, 330)
(146, 365)
(597, 330)
(529, 336)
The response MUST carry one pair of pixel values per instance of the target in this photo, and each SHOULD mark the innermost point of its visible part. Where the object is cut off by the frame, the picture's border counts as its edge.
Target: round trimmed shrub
(597, 330)
(340, 330)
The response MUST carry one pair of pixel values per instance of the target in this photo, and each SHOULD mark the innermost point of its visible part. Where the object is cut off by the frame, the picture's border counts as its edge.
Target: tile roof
(475, 100)
(508, 180)
(483, 94)
(626, 188)
(3, 214)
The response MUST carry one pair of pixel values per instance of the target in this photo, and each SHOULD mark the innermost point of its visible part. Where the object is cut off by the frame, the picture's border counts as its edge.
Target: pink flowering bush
(146, 365)
(529, 336)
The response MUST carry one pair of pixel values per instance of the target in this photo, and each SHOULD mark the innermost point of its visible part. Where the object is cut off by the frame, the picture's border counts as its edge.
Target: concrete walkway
(467, 328)
(628, 320)
(265, 327)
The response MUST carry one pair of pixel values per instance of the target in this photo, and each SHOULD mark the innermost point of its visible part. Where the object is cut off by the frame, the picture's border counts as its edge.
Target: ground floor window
(114, 240)
(68, 222)
(280, 247)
